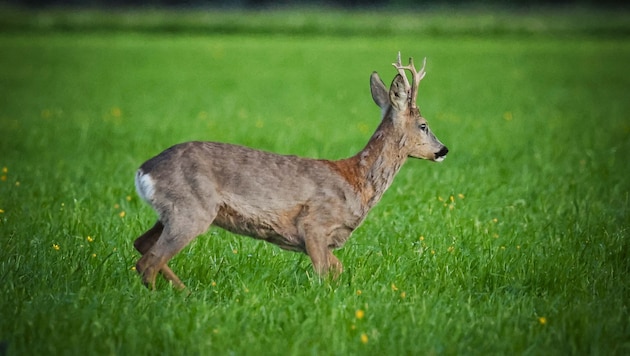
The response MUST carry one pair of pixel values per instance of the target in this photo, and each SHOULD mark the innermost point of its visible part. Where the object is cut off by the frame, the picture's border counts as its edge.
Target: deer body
(252, 192)
(300, 204)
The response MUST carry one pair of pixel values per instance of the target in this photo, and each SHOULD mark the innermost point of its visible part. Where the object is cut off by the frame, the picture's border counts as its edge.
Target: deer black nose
(442, 152)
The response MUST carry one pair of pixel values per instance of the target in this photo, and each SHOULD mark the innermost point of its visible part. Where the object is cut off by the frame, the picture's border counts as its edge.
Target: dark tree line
(270, 3)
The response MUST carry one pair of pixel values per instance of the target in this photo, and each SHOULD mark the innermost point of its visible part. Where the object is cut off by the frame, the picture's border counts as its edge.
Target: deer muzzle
(441, 154)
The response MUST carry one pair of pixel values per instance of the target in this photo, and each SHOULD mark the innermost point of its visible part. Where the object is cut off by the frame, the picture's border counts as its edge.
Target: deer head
(398, 105)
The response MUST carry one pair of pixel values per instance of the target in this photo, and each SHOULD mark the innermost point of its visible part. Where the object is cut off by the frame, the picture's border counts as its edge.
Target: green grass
(517, 243)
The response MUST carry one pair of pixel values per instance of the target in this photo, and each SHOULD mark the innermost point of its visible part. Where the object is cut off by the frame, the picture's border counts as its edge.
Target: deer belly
(258, 228)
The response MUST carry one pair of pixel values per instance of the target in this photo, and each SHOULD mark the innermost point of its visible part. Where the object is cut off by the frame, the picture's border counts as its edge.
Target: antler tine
(417, 76)
(420, 74)
(401, 70)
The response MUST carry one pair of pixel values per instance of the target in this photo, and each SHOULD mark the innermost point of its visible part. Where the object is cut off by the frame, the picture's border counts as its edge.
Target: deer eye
(423, 127)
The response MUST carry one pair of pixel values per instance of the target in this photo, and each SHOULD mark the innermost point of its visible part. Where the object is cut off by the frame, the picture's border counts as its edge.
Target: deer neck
(372, 170)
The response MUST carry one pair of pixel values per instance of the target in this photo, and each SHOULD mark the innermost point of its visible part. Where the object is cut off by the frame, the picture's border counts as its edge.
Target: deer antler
(416, 75)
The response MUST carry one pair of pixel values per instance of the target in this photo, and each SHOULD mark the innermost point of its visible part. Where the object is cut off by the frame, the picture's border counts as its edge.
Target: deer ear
(379, 91)
(398, 94)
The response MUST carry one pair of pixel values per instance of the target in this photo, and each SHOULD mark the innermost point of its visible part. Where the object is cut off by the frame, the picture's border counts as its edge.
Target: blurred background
(327, 3)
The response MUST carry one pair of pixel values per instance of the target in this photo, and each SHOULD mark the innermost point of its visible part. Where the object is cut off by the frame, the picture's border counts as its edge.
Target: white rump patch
(145, 186)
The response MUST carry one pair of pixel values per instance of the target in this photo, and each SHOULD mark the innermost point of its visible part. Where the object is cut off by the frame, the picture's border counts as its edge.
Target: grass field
(516, 243)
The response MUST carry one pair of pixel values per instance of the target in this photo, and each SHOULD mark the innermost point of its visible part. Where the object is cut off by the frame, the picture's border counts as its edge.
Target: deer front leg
(324, 262)
(336, 268)
(144, 243)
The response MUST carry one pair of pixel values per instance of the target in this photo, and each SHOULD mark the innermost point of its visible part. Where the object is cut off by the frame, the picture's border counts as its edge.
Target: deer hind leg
(149, 238)
(144, 243)
(175, 235)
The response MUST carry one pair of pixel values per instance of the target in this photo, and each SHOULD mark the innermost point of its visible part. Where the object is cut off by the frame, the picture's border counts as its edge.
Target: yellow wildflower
(460, 196)
(542, 320)
(46, 113)
(122, 214)
(89, 239)
(359, 292)
(359, 314)
(1, 211)
(363, 128)
(116, 112)
(56, 247)
(394, 288)
(364, 338)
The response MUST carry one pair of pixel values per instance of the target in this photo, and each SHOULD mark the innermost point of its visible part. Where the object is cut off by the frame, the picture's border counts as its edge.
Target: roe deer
(300, 204)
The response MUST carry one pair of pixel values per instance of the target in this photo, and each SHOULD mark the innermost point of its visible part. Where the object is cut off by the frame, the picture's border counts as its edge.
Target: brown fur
(300, 204)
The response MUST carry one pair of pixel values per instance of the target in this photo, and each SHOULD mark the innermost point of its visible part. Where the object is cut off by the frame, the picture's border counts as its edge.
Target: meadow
(516, 244)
